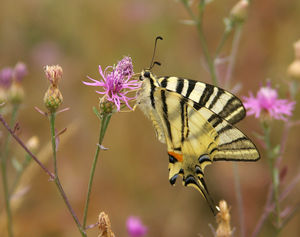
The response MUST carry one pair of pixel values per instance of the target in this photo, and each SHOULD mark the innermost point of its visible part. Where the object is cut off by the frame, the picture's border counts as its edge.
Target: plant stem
(4, 173)
(232, 57)
(203, 42)
(274, 170)
(56, 178)
(19, 174)
(222, 42)
(239, 197)
(104, 123)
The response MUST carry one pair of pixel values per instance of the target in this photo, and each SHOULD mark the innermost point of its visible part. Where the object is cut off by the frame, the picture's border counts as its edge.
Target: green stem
(274, 170)
(20, 173)
(104, 123)
(222, 42)
(203, 42)
(56, 178)
(234, 50)
(4, 173)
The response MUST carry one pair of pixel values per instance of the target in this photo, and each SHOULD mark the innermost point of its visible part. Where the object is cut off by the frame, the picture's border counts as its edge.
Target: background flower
(267, 101)
(135, 227)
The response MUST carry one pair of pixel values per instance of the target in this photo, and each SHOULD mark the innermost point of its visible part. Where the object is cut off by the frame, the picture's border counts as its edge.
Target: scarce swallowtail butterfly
(196, 120)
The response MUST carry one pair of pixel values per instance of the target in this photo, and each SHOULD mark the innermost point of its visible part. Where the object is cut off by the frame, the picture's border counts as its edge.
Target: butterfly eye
(147, 74)
(141, 78)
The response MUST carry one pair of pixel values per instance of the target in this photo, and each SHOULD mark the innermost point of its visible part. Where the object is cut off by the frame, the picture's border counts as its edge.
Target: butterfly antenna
(152, 60)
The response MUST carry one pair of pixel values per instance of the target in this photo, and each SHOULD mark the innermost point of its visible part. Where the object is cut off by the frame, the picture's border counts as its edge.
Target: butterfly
(196, 121)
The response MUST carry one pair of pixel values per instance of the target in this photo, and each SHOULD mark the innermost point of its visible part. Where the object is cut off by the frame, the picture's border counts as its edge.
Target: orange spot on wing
(177, 156)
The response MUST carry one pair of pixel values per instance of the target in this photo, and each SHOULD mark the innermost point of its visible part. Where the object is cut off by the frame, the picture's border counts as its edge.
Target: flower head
(135, 227)
(53, 97)
(116, 82)
(20, 71)
(267, 101)
(6, 76)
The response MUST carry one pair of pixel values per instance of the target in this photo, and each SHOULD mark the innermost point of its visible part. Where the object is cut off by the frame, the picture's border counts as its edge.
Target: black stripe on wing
(216, 99)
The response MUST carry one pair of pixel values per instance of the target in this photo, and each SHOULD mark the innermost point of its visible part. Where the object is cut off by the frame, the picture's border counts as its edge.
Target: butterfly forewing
(221, 102)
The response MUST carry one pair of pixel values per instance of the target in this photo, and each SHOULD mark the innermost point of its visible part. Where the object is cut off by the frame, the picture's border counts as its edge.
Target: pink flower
(135, 227)
(116, 83)
(267, 101)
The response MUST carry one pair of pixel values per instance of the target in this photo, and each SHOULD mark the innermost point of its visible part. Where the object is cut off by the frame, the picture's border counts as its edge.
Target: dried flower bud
(239, 11)
(33, 143)
(297, 50)
(223, 220)
(294, 69)
(53, 74)
(104, 226)
(16, 93)
(20, 71)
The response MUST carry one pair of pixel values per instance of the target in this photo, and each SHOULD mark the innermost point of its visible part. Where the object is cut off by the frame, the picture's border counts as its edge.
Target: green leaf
(16, 164)
(188, 22)
(97, 112)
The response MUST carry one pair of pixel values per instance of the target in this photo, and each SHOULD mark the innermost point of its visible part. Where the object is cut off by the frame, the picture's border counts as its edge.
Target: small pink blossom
(135, 227)
(267, 101)
(116, 82)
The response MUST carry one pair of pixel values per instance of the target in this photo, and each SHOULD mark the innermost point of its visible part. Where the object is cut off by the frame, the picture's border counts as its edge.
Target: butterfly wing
(196, 138)
(221, 102)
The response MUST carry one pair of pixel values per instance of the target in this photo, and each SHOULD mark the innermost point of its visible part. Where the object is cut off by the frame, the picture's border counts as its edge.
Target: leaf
(188, 22)
(97, 112)
(16, 164)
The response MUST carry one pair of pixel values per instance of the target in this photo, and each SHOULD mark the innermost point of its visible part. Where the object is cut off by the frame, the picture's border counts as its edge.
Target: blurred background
(132, 176)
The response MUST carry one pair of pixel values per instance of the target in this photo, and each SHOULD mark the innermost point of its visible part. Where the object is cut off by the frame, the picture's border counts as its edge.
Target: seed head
(104, 226)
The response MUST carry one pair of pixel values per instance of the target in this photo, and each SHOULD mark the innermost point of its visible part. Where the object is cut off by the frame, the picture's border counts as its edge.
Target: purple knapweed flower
(6, 76)
(135, 227)
(20, 71)
(267, 101)
(116, 82)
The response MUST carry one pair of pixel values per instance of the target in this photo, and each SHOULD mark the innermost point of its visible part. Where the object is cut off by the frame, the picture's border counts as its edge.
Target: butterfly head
(145, 74)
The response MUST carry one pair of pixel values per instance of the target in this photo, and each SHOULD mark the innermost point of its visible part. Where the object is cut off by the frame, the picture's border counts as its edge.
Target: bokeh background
(132, 176)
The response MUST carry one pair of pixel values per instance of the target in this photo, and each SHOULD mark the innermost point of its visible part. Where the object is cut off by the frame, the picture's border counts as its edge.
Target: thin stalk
(21, 143)
(4, 173)
(274, 170)
(203, 42)
(20, 173)
(222, 42)
(239, 197)
(56, 178)
(234, 50)
(104, 123)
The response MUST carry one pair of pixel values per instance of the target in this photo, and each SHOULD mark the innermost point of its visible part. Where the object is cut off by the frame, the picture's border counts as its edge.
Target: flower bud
(53, 97)
(106, 107)
(239, 11)
(16, 93)
(33, 143)
(20, 71)
(294, 69)
(297, 50)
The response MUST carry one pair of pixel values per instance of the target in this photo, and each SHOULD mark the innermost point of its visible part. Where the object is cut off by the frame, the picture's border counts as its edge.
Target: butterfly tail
(200, 185)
